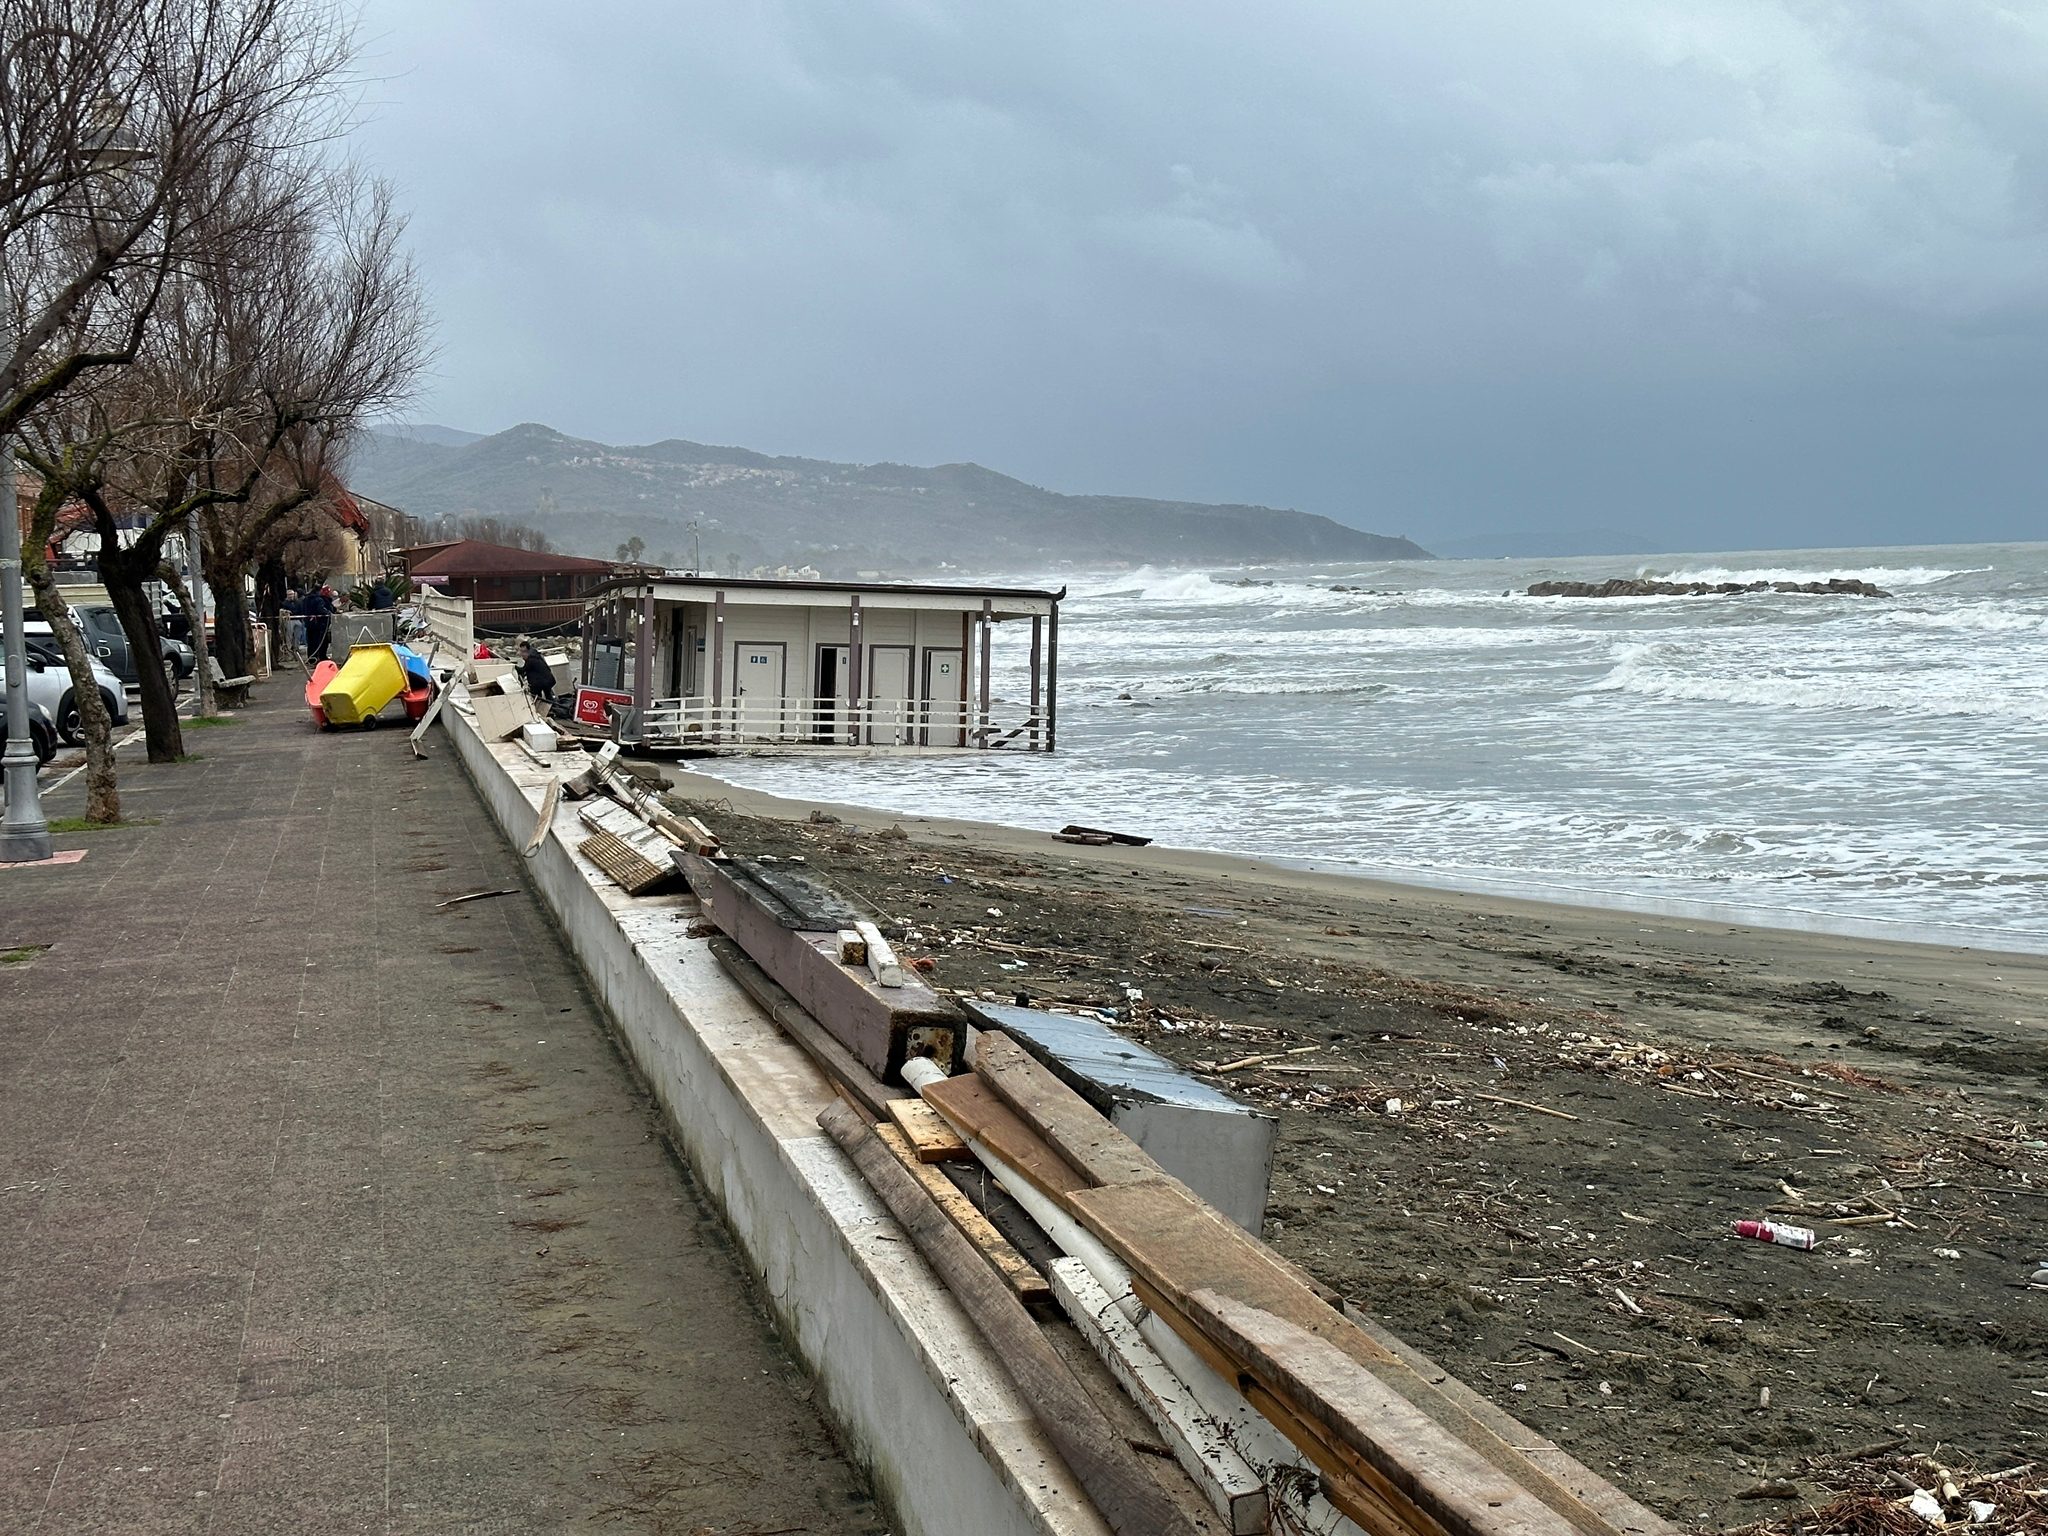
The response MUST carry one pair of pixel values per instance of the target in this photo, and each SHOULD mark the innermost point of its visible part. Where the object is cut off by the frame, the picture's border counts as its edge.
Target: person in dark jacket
(317, 607)
(539, 676)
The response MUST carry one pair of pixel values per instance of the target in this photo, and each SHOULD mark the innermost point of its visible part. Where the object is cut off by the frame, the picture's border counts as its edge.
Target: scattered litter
(1393, 1106)
(1927, 1507)
(1776, 1232)
(1948, 1253)
(456, 901)
(995, 911)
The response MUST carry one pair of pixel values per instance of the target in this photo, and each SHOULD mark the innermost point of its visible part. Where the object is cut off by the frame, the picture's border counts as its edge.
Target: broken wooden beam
(930, 1137)
(1073, 833)
(833, 1059)
(1129, 1498)
(879, 958)
(882, 1027)
(1027, 1283)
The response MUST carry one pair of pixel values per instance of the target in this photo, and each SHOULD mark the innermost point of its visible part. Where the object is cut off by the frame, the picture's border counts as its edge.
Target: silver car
(49, 684)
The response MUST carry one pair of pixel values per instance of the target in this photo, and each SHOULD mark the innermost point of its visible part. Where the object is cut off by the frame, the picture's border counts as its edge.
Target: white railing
(808, 722)
(452, 621)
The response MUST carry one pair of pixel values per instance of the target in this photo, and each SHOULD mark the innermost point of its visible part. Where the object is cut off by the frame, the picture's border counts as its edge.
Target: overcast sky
(1733, 272)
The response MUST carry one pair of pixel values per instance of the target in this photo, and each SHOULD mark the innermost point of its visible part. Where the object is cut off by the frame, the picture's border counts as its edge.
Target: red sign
(592, 705)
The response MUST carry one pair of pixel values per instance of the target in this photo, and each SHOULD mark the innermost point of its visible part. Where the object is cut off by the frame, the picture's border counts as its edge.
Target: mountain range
(702, 507)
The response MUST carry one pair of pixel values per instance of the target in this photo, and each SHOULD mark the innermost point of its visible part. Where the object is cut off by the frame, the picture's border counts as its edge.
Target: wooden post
(1052, 679)
(643, 651)
(717, 662)
(966, 667)
(988, 635)
(853, 672)
(1037, 638)
(586, 630)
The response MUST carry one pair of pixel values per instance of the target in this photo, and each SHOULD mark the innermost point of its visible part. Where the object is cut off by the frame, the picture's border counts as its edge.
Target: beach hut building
(689, 661)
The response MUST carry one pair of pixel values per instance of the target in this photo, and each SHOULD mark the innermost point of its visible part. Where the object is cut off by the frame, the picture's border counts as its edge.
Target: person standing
(319, 612)
(538, 675)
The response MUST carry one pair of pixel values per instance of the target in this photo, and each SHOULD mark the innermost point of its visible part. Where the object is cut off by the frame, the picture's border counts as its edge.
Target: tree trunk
(102, 795)
(123, 572)
(230, 622)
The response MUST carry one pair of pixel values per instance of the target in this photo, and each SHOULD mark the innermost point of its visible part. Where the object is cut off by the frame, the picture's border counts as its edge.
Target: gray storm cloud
(1722, 273)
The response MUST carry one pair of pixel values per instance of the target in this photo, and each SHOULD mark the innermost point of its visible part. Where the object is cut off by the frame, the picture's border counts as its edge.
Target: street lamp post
(25, 831)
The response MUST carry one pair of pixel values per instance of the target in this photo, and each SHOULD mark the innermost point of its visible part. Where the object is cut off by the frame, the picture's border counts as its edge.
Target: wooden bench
(228, 692)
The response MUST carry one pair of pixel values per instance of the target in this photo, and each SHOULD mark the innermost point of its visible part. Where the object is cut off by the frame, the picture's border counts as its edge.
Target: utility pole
(202, 674)
(25, 832)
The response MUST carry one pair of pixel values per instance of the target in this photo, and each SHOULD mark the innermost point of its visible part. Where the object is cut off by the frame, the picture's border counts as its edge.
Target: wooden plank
(1128, 839)
(1599, 1495)
(881, 1027)
(1108, 1470)
(972, 1109)
(833, 1059)
(1199, 1444)
(931, 1138)
(879, 958)
(1414, 1455)
(619, 859)
(1026, 1283)
(853, 949)
(1065, 1119)
(1177, 1246)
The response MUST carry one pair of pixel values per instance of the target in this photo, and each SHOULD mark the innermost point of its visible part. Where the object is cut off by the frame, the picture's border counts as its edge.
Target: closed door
(889, 706)
(944, 708)
(758, 672)
(830, 693)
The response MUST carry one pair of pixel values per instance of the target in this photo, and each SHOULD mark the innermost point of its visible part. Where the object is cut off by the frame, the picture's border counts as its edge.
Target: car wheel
(69, 725)
(171, 674)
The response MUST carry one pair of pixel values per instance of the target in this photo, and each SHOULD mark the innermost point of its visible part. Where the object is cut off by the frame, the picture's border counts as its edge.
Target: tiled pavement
(326, 1210)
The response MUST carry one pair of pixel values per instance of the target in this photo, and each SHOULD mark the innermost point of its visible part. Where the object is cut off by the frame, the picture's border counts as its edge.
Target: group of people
(312, 613)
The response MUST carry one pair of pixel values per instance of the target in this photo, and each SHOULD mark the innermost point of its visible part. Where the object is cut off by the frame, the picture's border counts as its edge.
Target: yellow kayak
(371, 678)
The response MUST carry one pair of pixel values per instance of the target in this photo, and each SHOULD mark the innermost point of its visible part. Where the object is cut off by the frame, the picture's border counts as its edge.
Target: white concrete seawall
(918, 1398)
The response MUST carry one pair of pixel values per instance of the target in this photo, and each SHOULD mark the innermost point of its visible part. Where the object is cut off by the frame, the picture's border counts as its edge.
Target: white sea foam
(1686, 674)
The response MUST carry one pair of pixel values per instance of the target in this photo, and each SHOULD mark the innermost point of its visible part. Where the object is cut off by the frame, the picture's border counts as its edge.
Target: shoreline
(1529, 893)
(1854, 939)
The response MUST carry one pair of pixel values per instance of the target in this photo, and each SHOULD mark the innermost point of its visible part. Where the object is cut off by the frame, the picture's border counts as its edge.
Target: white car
(49, 684)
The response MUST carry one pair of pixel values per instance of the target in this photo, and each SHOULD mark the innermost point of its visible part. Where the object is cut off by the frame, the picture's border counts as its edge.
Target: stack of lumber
(1268, 1394)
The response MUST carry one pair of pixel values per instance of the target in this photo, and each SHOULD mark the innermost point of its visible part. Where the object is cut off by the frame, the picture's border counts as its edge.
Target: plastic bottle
(1776, 1232)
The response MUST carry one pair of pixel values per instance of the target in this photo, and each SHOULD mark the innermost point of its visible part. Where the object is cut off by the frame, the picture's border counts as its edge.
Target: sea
(1818, 762)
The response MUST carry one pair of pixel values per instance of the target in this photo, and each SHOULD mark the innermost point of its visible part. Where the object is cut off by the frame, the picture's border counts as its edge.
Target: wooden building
(516, 591)
(709, 661)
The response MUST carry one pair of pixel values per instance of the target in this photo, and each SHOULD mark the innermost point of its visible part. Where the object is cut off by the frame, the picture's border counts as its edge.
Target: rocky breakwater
(1637, 586)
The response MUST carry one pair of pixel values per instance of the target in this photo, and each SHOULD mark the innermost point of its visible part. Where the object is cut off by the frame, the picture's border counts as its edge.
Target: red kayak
(317, 685)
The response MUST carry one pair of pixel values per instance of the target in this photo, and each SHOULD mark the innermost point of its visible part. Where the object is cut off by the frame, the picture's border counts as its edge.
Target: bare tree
(267, 355)
(96, 725)
(123, 124)
(127, 131)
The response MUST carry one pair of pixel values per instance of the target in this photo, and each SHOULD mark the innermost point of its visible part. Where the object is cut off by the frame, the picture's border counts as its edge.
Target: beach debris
(1393, 1106)
(1771, 1488)
(853, 949)
(456, 901)
(1777, 1232)
(1555, 1114)
(1927, 1507)
(1948, 1253)
(1072, 833)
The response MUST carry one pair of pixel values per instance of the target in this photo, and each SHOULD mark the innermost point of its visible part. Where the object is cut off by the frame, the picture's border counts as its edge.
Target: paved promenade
(324, 1209)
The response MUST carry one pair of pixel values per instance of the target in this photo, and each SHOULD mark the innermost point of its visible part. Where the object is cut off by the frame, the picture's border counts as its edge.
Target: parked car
(109, 643)
(42, 731)
(65, 711)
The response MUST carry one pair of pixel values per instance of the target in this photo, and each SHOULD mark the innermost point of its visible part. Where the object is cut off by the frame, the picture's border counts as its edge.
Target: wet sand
(1588, 1099)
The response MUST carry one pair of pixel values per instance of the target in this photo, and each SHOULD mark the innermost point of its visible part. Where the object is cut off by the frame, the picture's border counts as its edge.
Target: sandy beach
(1587, 1101)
